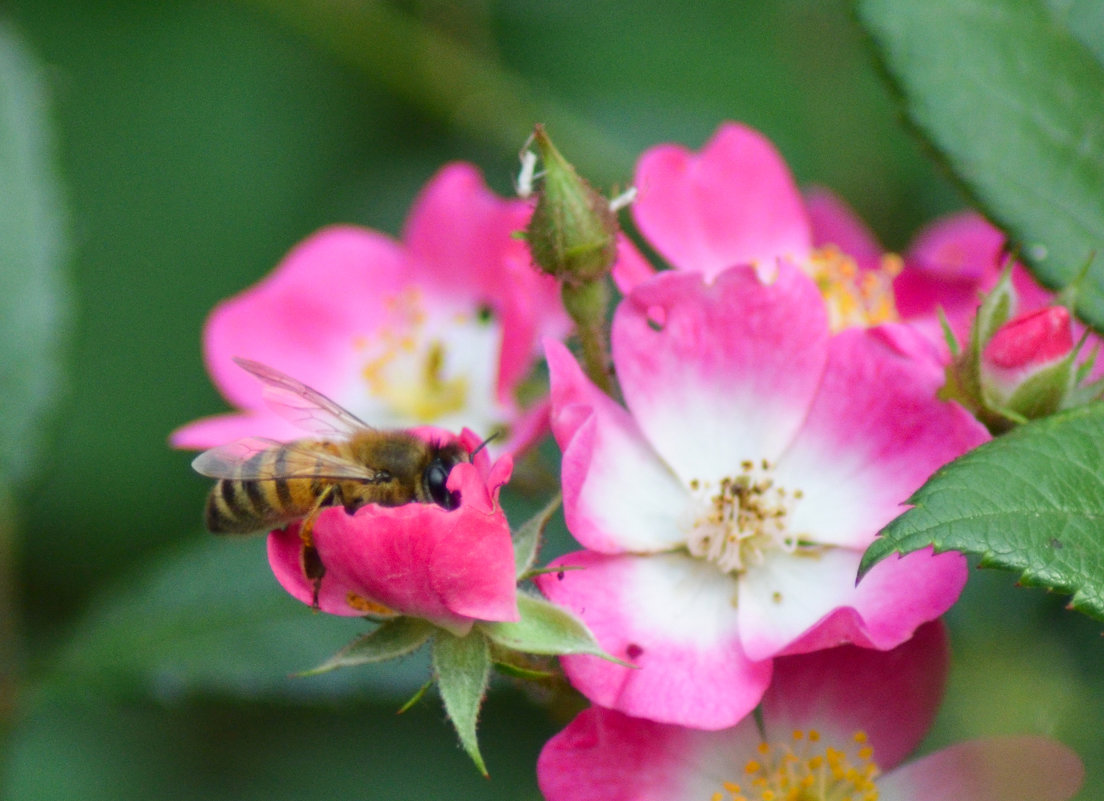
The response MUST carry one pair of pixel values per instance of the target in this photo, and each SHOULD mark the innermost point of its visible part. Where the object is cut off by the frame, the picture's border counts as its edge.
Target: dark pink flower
(726, 508)
(836, 724)
(451, 567)
(440, 328)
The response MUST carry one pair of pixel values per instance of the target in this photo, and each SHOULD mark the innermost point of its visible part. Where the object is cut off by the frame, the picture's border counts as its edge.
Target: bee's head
(437, 473)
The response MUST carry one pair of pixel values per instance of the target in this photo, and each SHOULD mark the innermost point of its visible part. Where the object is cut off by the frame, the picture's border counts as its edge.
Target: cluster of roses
(778, 403)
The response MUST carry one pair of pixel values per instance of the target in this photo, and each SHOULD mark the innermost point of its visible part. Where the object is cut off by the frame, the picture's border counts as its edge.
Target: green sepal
(1030, 501)
(1044, 392)
(462, 667)
(527, 539)
(545, 628)
(390, 640)
(416, 697)
(526, 673)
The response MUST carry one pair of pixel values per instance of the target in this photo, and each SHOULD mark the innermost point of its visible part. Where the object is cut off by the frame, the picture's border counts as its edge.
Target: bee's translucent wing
(241, 460)
(307, 408)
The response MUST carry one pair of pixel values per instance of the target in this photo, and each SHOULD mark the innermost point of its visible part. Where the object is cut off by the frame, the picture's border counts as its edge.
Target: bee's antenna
(483, 444)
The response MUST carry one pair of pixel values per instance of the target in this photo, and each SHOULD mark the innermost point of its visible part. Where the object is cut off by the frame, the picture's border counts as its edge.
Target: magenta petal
(673, 618)
(459, 233)
(996, 769)
(631, 268)
(834, 223)
(874, 434)
(618, 495)
(449, 567)
(285, 550)
(295, 321)
(463, 244)
(892, 695)
(733, 203)
(604, 755)
(951, 263)
(729, 373)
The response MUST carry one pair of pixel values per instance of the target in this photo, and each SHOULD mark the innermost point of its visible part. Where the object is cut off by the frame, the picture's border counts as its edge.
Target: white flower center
(428, 365)
(740, 518)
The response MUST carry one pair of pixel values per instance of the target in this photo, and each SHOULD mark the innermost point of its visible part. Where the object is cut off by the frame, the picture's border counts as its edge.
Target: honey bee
(265, 484)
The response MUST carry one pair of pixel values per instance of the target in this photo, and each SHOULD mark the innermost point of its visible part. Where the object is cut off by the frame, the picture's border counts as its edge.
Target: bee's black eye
(436, 479)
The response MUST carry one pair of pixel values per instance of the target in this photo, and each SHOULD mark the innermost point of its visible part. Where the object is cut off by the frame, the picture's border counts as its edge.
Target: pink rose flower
(736, 203)
(440, 328)
(836, 724)
(451, 567)
(725, 510)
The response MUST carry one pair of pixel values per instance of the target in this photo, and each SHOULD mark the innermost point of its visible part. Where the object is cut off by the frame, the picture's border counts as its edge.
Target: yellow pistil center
(407, 363)
(855, 297)
(805, 769)
(740, 518)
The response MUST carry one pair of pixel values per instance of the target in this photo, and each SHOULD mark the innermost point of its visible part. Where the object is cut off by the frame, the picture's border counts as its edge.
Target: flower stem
(587, 303)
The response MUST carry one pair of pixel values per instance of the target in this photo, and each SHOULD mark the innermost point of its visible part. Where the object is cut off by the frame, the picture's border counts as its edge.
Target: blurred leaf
(199, 750)
(1084, 19)
(392, 639)
(211, 618)
(1015, 105)
(1030, 501)
(462, 666)
(34, 306)
(450, 81)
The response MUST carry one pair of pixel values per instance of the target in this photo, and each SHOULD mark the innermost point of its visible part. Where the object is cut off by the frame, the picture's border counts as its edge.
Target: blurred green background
(193, 144)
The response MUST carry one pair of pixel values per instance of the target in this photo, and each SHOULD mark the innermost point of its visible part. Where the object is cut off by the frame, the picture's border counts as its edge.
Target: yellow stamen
(855, 297)
(800, 770)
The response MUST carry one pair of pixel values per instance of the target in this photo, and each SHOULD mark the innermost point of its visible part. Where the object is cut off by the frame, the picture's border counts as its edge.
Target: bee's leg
(309, 559)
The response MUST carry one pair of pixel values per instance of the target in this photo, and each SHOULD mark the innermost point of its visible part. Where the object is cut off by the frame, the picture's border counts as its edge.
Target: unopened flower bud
(1026, 366)
(573, 232)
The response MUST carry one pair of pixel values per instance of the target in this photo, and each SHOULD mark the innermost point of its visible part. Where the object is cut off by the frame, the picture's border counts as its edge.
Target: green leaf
(463, 666)
(210, 617)
(390, 640)
(527, 538)
(34, 306)
(1014, 104)
(1030, 501)
(545, 628)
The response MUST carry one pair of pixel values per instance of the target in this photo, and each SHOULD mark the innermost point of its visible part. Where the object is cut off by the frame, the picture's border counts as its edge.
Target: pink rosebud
(1030, 341)
(1026, 367)
(448, 566)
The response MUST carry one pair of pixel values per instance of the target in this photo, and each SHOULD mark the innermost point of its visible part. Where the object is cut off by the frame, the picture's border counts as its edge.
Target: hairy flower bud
(573, 232)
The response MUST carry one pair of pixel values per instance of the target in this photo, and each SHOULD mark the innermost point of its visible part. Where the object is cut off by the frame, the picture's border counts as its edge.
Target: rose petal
(892, 696)
(672, 617)
(618, 495)
(874, 434)
(733, 203)
(729, 374)
(997, 769)
(604, 755)
(293, 320)
(835, 223)
(898, 594)
(449, 567)
(463, 246)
